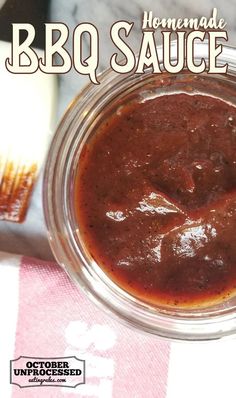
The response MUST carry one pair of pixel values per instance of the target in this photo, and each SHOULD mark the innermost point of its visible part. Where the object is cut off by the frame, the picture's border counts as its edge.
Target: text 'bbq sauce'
(156, 198)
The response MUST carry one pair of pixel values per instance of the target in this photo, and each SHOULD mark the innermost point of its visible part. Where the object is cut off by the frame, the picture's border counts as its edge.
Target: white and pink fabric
(44, 315)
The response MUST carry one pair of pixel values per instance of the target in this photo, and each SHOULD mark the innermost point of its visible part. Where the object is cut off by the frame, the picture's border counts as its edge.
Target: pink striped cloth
(44, 315)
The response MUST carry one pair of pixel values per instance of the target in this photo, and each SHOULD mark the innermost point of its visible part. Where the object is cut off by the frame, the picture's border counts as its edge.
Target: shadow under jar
(140, 199)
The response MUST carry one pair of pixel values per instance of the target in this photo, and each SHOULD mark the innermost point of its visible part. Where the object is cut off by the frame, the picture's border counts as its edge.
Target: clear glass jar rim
(63, 242)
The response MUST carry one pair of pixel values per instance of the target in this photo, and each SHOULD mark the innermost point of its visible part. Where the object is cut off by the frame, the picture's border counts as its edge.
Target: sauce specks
(156, 199)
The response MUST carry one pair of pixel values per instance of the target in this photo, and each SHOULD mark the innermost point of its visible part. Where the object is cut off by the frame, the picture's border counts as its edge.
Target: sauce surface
(156, 198)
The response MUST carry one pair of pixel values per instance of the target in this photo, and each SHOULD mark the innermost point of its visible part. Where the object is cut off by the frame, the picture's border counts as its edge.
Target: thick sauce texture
(156, 199)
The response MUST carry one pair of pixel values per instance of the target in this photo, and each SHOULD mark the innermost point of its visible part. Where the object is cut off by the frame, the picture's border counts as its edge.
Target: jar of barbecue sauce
(140, 198)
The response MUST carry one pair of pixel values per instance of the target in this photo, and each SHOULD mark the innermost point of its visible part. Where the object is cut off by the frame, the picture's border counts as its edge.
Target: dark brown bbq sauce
(156, 199)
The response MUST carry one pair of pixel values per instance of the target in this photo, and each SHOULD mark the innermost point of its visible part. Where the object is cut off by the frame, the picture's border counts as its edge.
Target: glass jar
(91, 107)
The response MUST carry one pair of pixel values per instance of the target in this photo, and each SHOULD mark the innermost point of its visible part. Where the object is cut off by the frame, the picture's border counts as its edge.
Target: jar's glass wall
(76, 128)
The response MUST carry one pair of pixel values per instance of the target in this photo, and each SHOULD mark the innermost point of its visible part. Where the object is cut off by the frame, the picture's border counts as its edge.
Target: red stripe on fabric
(55, 319)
